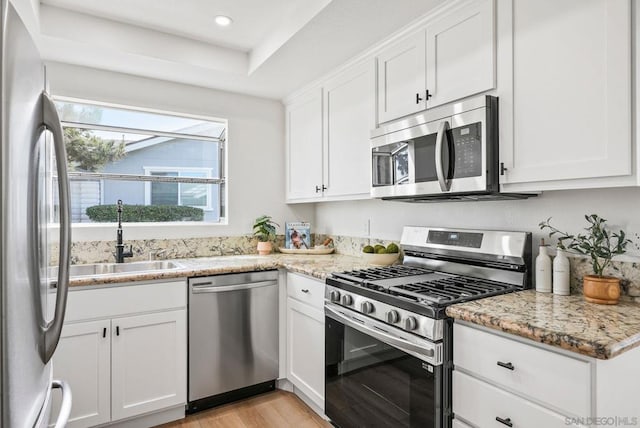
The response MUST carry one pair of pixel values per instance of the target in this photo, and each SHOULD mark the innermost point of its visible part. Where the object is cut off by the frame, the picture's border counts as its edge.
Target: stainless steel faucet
(120, 252)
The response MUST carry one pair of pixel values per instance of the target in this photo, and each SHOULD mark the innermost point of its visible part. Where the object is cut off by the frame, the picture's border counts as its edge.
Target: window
(163, 166)
(195, 195)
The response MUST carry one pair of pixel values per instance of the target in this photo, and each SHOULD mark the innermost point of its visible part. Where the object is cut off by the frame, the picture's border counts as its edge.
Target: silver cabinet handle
(52, 331)
(222, 288)
(65, 407)
(445, 182)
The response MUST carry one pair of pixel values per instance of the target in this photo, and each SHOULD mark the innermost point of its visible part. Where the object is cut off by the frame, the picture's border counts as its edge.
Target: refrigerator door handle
(53, 330)
(65, 407)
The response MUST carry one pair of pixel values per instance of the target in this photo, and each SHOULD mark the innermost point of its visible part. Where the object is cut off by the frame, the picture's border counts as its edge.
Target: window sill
(132, 231)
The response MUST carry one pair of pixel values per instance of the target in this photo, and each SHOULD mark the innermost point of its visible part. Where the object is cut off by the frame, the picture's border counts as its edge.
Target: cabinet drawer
(306, 290)
(481, 403)
(561, 381)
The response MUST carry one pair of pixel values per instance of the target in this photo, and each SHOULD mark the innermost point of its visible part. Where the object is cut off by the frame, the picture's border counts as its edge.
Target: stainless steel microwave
(450, 152)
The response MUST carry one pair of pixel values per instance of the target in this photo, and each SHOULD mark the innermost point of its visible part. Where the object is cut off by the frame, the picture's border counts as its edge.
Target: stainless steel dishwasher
(233, 337)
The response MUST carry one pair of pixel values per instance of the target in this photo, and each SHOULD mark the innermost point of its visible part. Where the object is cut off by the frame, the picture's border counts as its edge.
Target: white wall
(255, 146)
(620, 206)
(29, 12)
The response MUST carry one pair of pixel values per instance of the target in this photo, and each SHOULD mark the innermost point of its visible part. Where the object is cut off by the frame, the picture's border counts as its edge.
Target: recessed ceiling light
(223, 20)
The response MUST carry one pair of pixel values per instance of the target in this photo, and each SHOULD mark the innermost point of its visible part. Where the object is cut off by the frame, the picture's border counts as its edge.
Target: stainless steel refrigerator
(32, 170)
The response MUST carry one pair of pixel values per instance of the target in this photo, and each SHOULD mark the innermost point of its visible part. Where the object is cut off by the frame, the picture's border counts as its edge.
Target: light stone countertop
(318, 266)
(567, 322)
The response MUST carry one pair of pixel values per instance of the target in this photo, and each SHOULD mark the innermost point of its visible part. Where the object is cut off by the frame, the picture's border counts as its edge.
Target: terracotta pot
(264, 248)
(604, 290)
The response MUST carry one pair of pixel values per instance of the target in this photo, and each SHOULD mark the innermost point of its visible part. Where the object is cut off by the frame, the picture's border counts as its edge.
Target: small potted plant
(264, 228)
(600, 245)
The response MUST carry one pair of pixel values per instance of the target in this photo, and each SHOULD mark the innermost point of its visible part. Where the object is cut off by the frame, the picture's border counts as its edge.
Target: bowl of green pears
(380, 255)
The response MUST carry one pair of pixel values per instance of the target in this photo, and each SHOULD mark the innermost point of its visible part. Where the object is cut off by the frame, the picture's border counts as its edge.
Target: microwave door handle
(441, 170)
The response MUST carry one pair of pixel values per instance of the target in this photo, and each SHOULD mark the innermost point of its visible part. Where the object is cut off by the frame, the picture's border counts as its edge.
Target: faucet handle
(153, 254)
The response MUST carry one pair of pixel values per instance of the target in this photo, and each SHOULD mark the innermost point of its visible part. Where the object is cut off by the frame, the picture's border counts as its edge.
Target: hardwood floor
(277, 409)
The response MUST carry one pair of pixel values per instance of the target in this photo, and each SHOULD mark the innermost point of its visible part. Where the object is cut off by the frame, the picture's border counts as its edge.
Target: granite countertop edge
(315, 266)
(590, 344)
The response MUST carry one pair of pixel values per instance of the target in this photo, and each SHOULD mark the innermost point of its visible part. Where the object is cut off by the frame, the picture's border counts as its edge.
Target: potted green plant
(264, 228)
(600, 245)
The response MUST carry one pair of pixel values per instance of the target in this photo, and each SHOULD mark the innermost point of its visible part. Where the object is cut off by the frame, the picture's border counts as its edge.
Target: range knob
(367, 307)
(334, 296)
(393, 316)
(410, 323)
(347, 300)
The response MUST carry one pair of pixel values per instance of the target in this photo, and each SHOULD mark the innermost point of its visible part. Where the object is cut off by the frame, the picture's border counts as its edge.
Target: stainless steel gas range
(388, 357)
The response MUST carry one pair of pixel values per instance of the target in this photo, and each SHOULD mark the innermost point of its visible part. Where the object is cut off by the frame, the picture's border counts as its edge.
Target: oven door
(374, 377)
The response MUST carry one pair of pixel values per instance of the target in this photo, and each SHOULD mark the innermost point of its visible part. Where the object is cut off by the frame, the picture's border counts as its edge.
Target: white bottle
(561, 273)
(543, 270)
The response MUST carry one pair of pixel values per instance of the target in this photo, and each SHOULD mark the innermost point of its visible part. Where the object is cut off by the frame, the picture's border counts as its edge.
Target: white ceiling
(272, 48)
(253, 20)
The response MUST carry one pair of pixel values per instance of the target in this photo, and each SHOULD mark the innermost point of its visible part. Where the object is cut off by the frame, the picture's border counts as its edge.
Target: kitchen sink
(115, 268)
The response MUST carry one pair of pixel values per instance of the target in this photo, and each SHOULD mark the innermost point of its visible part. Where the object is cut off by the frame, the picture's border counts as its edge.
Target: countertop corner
(567, 322)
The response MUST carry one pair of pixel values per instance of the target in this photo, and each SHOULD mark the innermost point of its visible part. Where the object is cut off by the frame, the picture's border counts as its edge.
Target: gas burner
(450, 290)
(375, 274)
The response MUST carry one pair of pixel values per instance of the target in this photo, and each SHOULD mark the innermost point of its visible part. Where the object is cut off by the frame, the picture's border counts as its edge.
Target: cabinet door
(304, 146)
(401, 78)
(305, 350)
(149, 363)
(349, 106)
(83, 359)
(570, 112)
(461, 53)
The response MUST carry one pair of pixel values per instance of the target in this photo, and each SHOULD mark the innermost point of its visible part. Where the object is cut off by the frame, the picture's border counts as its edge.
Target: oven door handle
(441, 169)
(425, 354)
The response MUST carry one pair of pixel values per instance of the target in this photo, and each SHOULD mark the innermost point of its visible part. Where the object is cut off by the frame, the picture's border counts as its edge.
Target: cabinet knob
(428, 95)
(318, 189)
(418, 98)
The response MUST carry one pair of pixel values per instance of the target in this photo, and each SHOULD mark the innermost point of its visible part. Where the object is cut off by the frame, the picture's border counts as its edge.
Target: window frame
(208, 174)
(221, 180)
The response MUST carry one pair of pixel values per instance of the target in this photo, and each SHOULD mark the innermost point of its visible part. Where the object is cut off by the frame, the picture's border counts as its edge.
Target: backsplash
(629, 273)
(84, 252)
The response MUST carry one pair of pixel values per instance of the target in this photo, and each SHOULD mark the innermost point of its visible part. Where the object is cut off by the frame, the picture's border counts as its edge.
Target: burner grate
(374, 274)
(449, 290)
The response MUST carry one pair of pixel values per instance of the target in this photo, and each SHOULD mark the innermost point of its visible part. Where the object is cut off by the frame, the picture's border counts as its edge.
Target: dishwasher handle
(207, 287)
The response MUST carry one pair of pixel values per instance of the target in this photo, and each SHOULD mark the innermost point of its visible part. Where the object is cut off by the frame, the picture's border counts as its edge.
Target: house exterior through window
(163, 166)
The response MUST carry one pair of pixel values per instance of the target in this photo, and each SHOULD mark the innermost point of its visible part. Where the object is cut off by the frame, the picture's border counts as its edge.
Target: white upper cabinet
(349, 112)
(401, 78)
(461, 53)
(565, 93)
(304, 146)
(452, 57)
(328, 131)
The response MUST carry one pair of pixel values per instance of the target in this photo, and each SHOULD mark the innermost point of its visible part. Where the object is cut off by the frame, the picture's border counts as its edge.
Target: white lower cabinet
(148, 358)
(504, 380)
(83, 359)
(485, 405)
(125, 364)
(305, 337)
